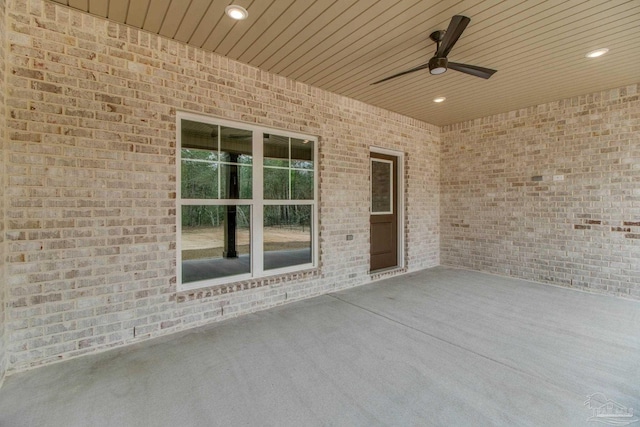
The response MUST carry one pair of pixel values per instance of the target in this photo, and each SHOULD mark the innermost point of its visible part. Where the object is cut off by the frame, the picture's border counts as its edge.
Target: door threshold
(387, 272)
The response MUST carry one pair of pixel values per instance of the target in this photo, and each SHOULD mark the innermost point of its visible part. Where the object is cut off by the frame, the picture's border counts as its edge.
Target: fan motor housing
(437, 65)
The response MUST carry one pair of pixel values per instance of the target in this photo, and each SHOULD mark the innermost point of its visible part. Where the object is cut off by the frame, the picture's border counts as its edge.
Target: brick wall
(3, 359)
(91, 182)
(549, 193)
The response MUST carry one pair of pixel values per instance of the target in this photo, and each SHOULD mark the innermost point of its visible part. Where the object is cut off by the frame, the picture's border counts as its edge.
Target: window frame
(256, 203)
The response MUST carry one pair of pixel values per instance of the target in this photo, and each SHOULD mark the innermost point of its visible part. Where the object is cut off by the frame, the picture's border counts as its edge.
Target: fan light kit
(236, 12)
(444, 43)
(437, 65)
(439, 99)
(596, 53)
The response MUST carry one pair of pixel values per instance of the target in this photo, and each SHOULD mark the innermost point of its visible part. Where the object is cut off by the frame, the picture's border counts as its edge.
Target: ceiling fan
(445, 40)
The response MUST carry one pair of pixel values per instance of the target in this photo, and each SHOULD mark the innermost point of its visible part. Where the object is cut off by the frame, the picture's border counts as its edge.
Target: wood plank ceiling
(537, 46)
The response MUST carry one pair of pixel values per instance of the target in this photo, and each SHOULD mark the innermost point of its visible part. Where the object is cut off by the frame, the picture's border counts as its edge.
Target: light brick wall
(91, 182)
(3, 123)
(549, 193)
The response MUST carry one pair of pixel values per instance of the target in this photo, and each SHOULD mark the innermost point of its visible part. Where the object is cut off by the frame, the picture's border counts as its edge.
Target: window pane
(197, 135)
(215, 242)
(287, 235)
(196, 154)
(234, 144)
(199, 180)
(381, 186)
(276, 150)
(276, 183)
(235, 182)
(301, 153)
(302, 185)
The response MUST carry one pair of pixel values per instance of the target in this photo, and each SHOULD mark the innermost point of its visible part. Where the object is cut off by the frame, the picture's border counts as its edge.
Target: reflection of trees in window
(199, 175)
(288, 168)
(287, 216)
(302, 184)
(203, 179)
(276, 183)
(209, 216)
(216, 162)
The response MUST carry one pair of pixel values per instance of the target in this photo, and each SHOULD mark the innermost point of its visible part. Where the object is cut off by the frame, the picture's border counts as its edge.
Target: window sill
(209, 290)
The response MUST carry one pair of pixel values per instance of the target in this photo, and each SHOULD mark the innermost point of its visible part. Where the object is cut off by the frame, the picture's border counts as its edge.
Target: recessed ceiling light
(236, 12)
(439, 99)
(597, 52)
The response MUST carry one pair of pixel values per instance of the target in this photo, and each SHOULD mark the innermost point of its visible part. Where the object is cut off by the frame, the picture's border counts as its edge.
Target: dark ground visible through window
(203, 269)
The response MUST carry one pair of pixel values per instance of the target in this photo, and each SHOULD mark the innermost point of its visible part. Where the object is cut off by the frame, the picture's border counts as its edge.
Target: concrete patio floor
(441, 347)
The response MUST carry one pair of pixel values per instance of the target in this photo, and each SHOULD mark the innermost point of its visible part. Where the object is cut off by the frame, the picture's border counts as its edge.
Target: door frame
(400, 183)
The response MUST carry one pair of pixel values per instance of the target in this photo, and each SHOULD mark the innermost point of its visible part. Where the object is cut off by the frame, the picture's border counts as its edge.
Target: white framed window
(247, 201)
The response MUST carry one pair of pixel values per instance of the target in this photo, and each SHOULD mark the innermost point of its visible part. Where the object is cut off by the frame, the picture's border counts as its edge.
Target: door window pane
(287, 235)
(215, 241)
(381, 195)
